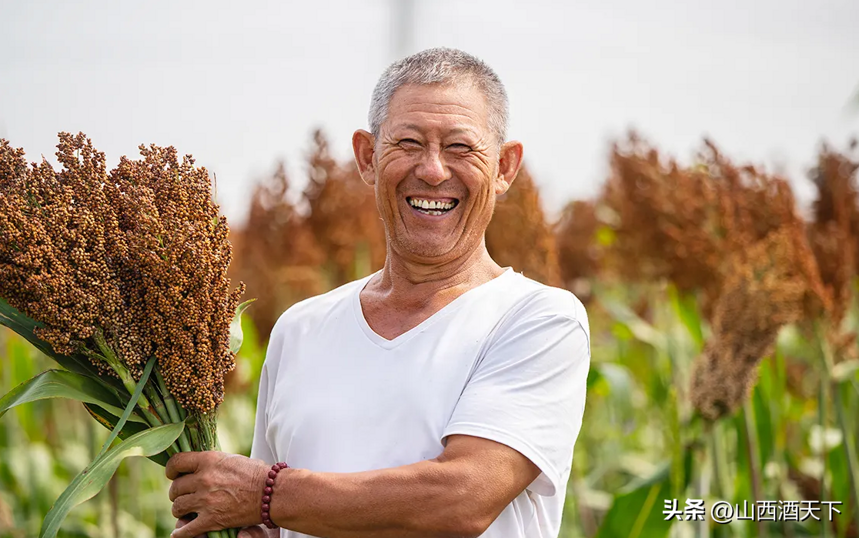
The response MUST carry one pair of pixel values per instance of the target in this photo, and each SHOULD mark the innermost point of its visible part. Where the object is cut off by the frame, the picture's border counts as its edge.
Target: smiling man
(439, 397)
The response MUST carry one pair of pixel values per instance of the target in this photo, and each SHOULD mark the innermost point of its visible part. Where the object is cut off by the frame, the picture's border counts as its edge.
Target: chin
(425, 250)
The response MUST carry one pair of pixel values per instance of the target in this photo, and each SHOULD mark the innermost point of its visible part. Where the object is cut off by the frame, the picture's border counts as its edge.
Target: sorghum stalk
(194, 432)
(849, 447)
(145, 403)
(168, 397)
(717, 463)
(160, 408)
(828, 383)
(208, 431)
(753, 452)
(821, 416)
(149, 412)
(172, 410)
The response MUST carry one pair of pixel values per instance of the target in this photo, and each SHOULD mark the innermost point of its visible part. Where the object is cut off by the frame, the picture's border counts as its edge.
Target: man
(442, 395)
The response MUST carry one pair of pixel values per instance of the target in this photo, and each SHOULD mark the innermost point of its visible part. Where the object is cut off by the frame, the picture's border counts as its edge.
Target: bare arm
(457, 494)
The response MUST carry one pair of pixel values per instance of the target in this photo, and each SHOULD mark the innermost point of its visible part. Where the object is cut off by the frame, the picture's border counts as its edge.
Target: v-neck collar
(383, 342)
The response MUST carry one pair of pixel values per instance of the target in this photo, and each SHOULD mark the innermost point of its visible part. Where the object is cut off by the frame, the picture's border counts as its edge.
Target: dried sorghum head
(519, 235)
(834, 230)
(139, 255)
(767, 289)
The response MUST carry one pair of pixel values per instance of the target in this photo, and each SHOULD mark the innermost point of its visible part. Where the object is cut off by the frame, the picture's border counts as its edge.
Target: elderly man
(438, 397)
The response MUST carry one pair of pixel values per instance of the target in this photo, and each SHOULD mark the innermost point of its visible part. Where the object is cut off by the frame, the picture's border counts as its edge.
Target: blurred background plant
(724, 363)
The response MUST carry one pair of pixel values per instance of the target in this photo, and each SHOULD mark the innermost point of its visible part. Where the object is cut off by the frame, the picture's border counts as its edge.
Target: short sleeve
(528, 391)
(260, 448)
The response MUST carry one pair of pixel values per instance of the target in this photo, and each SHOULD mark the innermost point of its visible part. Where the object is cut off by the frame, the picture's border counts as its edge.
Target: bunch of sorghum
(579, 255)
(276, 253)
(664, 219)
(834, 229)
(343, 216)
(765, 290)
(520, 236)
(731, 232)
(119, 267)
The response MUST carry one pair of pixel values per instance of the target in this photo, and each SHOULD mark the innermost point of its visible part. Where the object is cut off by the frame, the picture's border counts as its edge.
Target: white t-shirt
(506, 361)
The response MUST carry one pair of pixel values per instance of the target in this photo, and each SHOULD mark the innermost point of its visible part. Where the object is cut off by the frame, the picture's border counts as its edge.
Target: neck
(409, 281)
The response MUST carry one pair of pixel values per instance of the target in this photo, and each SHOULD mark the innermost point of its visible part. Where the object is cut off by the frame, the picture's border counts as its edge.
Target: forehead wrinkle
(469, 130)
(435, 108)
(461, 123)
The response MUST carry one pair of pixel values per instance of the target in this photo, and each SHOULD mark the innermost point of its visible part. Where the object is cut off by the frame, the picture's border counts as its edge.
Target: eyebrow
(455, 131)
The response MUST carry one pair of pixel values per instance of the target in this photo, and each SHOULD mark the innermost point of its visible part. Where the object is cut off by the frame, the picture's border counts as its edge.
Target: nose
(432, 169)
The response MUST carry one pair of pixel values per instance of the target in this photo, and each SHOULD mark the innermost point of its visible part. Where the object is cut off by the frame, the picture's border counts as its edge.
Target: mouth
(432, 206)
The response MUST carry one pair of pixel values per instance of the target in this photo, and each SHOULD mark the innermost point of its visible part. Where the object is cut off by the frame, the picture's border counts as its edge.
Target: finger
(181, 522)
(182, 463)
(184, 485)
(192, 529)
(185, 505)
(252, 532)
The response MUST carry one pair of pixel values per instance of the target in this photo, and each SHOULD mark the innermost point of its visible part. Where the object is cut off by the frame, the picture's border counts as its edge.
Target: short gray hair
(441, 66)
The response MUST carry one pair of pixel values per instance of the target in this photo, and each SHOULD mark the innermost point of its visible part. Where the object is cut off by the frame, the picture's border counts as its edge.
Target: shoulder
(540, 312)
(539, 300)
(301, 317)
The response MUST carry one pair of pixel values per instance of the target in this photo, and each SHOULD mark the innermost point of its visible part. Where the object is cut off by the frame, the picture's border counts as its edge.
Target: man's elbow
(469, 499)
(468, 514)
(462, 527)
(473, 528)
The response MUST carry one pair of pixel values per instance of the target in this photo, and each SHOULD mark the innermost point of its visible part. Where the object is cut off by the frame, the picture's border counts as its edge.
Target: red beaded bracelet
(267, 491)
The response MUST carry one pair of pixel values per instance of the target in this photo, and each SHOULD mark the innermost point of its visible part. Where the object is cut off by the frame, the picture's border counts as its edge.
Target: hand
(254, 532)
(182, 521)
(224, 490)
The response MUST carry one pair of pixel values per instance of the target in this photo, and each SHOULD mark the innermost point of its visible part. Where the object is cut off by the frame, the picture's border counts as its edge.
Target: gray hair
(441, 66)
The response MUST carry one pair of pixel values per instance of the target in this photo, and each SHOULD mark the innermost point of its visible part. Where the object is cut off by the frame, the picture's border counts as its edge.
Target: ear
(509, 163)
(363, 145)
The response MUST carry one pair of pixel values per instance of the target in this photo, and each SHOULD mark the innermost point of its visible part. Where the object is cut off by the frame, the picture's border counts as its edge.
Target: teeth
(433, 207)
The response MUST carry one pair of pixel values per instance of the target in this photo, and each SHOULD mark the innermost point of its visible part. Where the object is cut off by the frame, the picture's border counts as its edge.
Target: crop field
(724, 364)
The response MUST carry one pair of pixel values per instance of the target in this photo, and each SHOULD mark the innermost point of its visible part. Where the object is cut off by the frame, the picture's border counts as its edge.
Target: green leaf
(13, 315)
(62, 384)
(109, 421)
(637, 510)
(236, 335)
(93, 479)
(761, 405)
(594, 376)
(138, 390)
(26, 328)
(686, 308)
(642, 330)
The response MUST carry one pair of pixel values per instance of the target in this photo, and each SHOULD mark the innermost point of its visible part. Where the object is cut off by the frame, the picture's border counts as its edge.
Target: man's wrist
(282, 505)
(258, 486)
(268, 493)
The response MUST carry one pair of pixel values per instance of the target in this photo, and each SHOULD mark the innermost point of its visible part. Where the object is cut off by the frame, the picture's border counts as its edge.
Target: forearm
(422, 500)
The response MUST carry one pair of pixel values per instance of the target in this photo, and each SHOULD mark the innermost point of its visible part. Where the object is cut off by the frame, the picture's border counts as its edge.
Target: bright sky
(242, 84)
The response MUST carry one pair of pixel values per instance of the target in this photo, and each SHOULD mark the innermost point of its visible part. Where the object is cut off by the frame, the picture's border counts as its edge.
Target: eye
(460, 147)
(409, 143)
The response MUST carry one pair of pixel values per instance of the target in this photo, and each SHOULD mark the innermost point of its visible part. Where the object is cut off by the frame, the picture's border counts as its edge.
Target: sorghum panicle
(138, 255)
